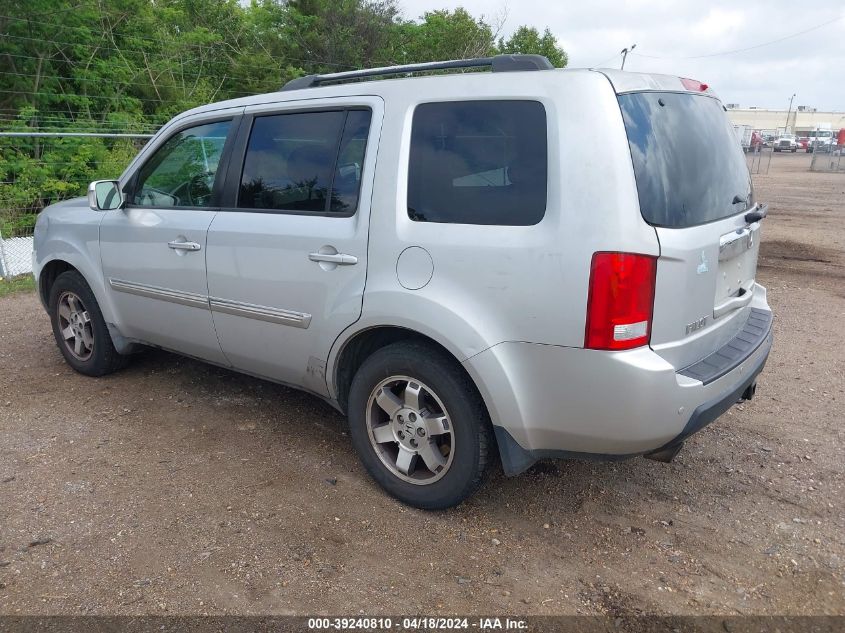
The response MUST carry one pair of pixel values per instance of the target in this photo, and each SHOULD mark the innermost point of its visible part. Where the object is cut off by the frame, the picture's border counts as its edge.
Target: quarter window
(308, 161)
(478, 162)
(181, 172)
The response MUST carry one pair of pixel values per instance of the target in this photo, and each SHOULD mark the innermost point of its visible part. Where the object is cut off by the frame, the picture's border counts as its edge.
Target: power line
(609, 59)
(749, 48)
(9, 118)
(139, 70)
(160, 43)
(166, 80)
(136, 72)
(72, 135)
(113, 33)
(163, 83)
(99, 47)
(65, 10)
(59, 95)
(83, 117)
(165, 56)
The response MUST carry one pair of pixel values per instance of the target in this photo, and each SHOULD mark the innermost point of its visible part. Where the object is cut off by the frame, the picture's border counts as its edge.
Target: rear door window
(478, 162)
(687, 162)
(305, 161)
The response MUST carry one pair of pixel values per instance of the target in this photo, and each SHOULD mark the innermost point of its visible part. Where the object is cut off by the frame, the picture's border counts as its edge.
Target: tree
(527, 40)
(332, 35)
(445, 35)
(130, 65)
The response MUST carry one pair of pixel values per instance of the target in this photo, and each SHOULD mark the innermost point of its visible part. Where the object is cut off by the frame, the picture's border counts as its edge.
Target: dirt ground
(174, 487)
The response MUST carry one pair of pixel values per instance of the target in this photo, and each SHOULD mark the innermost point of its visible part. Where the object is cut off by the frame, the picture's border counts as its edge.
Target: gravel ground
(174, 487)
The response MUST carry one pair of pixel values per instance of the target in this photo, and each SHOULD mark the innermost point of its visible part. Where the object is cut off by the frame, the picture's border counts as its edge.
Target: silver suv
(475, 268)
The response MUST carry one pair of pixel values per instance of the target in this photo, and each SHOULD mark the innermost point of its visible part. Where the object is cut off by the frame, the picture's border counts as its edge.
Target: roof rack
(497, 63)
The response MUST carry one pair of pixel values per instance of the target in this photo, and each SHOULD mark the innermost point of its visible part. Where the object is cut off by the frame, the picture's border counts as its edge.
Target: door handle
(176, 245)
(341, 259)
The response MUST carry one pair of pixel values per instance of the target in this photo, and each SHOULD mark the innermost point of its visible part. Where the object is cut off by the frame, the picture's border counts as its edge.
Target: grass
(11, 285)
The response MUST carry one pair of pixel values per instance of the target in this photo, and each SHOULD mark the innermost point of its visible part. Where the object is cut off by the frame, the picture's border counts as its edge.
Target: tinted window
(350, 162)
(478, 162)
(687, 163)
(181, 172)
(308, 161)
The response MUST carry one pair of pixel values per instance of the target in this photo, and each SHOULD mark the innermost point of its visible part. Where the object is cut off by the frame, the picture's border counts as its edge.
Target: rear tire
(79, 328)
(420, 426)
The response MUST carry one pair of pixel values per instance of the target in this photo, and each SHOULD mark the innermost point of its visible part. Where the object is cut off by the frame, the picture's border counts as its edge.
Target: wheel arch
(49, 273)
(50, 270)
(358, 345)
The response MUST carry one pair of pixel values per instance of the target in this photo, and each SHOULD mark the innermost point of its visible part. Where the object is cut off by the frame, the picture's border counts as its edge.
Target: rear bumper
(708, 411)
(550, 402)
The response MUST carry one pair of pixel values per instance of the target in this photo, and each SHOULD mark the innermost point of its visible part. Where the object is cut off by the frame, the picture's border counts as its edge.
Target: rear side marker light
(621, 301)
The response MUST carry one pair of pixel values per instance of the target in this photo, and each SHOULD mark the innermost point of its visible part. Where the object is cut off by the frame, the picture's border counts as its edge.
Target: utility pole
(788, 112)
(625, 52)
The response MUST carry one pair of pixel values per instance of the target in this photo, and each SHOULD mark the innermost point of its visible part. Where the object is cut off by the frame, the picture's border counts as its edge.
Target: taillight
(621, 301)
(694, 85)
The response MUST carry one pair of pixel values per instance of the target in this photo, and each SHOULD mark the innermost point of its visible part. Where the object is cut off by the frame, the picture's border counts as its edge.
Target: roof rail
(497, 63)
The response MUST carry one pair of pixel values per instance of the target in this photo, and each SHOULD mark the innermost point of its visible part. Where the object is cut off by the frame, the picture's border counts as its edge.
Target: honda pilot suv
(476, 268)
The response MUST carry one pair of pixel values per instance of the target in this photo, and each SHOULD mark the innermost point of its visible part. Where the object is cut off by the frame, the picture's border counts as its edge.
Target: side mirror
(105, 195)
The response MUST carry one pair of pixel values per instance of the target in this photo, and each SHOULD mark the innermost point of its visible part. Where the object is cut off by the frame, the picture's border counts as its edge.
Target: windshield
(688, 164)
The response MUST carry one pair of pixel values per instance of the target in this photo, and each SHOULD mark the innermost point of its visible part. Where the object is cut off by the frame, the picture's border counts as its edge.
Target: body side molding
(261, 313)
(162, 294)
(216, 304)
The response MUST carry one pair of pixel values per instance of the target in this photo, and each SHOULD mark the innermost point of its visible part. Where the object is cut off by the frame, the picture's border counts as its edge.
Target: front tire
(420, 426)
(79, 328)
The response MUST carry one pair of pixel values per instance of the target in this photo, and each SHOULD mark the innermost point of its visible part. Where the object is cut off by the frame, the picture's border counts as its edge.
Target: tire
(73, 310)
(414, 377)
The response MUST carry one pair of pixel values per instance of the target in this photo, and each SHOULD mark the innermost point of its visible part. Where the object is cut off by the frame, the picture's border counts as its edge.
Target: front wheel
(419, 425)
(79, 328)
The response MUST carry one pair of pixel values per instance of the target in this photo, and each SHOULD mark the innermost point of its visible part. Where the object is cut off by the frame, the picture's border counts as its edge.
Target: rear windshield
(687, 161)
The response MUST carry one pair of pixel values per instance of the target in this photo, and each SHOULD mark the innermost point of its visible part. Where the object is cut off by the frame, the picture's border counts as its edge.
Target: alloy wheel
(75, 326)
(410, 430)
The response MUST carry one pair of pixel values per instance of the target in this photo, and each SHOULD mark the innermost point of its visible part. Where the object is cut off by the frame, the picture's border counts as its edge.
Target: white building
(801, 119)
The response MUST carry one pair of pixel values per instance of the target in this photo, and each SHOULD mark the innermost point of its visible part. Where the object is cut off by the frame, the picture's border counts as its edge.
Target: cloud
(695, 39)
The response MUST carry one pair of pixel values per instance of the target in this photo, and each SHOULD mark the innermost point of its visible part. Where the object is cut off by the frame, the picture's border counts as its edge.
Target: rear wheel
(79, 328)
(419, 426)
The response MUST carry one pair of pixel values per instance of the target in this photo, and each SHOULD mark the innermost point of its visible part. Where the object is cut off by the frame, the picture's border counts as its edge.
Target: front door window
(181, 172)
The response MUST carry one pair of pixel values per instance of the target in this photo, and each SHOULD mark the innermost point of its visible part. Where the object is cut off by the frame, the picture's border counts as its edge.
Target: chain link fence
(759, 159)
(830, 158)
(16, 253)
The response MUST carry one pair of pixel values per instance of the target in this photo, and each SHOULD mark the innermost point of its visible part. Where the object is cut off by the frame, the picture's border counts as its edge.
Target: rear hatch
(694, 189)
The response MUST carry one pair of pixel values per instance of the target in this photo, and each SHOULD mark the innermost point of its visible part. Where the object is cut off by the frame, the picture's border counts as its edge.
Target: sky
(693, 39)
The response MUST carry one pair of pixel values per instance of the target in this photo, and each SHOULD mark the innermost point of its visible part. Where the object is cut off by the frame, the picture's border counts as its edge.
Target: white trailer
(743, 135)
